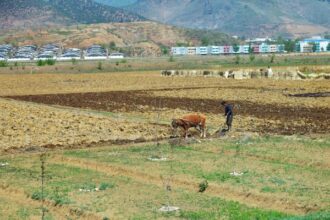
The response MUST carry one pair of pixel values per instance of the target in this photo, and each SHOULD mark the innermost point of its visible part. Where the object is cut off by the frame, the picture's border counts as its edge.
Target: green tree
(235, 48)
(250, 49)
(328, 47)
(112, 45)
(314, 47)
(3, 64)
(290, 45)
(272, 58)
(205, 41)
(164, 50)
(252, 57)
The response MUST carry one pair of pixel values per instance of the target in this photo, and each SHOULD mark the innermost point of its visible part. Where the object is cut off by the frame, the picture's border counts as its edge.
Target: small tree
(205, 41)
(252, 57)
(314, 47)
(99, 66)
(112, 45)
(328, 47)
(272, 58)
(164, 50)
(250, 49)
(3, 64)
(237, 59)
(235, 48)
(41, 63)
(171, 59)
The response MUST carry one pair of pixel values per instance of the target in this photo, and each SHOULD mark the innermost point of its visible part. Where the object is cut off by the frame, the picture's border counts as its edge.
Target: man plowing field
(192, 120)
(228, 114)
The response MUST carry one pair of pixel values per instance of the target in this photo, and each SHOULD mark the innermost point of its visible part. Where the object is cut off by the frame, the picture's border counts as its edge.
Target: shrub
(50, 62)
(171, 59)
(99, 66)
(203, 186)
(3, 64)
(104, 186)
(41, 63)
(38, 195)
(237, 59)
(59, 198)
(73, 61)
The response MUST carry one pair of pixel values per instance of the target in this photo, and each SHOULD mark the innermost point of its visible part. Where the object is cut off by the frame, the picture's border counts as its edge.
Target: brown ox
(188, 121)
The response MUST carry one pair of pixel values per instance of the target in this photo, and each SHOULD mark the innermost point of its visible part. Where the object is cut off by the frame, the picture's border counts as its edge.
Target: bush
(41, 63)
(171, 59)
(104, 186)
(60, 198)
(203, 186)
(3, 64)
(38, 195)
(50, 62)
(99, 66)
(73, 61)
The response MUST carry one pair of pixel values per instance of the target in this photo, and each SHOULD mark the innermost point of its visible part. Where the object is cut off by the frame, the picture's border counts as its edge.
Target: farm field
(107, 131)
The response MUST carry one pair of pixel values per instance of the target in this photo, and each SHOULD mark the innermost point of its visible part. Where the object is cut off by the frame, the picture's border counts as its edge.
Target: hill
(40, 13)
(133, 38)
(240, 17)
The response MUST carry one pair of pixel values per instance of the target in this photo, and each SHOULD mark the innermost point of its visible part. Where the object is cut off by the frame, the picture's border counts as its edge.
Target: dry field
(91, 125)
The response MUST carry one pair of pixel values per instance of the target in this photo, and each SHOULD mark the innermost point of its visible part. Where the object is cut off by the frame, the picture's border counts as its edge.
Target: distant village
(97, 52)
(258, 45)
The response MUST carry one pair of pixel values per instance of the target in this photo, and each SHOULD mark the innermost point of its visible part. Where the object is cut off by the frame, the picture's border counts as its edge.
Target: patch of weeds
(277, 181)
(268, 189)
(3, 63)
(104, 186)
(88, 186)
(203, 186)
(222, 177)
(60, 198)
(38, 195)
(312, 216)
(23, 213)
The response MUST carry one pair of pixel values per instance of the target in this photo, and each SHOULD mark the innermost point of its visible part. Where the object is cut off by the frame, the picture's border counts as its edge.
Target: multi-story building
(273, 48)
(202, 50)
(179, 51)
(244, 49)
(263, 48)
(227, 49)
(315, 44)
(255, 48)
(191, 50)
(215, 50)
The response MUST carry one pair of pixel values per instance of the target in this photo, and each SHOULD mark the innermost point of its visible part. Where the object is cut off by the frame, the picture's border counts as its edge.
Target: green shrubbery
(49, 62)
(3, 63)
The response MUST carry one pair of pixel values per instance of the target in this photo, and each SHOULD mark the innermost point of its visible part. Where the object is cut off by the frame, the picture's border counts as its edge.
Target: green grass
(211, 161)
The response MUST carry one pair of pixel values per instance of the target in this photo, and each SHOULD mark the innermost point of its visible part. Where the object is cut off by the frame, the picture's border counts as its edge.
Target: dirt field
(282, 176)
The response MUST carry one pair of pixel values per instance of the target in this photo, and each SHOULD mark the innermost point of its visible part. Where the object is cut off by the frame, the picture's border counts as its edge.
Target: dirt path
(294, 120)
(59, 212)
(252, 199)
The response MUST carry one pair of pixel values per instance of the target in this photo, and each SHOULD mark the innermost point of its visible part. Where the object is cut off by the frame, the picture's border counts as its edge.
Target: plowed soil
(294, 119)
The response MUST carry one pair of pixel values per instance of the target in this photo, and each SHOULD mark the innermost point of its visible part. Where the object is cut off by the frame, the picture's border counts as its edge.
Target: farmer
(228, 113)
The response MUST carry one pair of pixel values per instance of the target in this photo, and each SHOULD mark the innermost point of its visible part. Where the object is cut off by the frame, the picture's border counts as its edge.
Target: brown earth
(316, 119)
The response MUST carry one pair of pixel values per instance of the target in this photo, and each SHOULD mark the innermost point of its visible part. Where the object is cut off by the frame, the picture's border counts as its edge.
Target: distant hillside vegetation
(41, 13)
(134, 38)
(295, 18)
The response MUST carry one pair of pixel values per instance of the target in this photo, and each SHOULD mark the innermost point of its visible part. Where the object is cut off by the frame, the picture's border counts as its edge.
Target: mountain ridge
(294, 18)
(40, 13)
